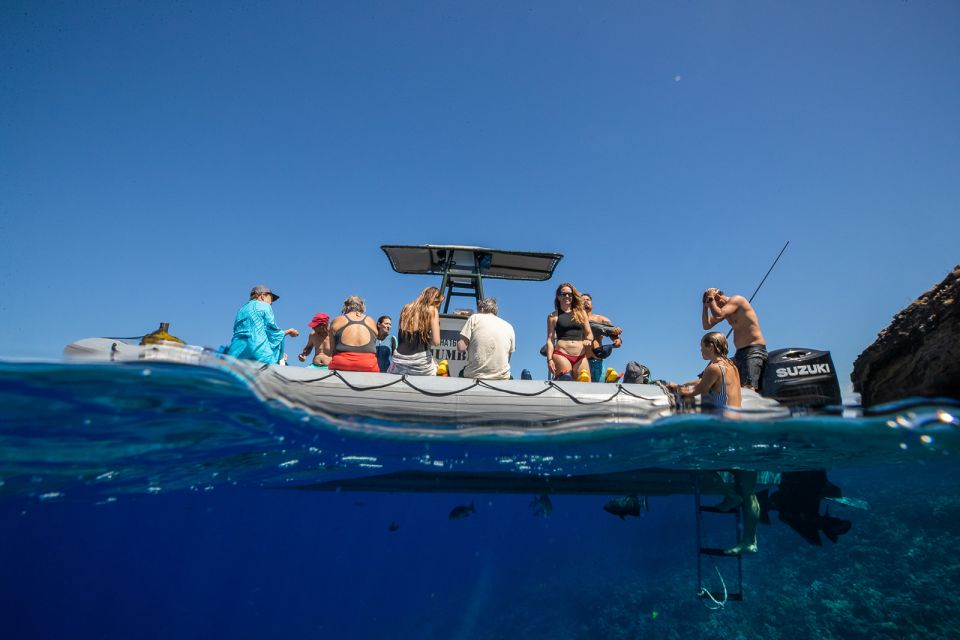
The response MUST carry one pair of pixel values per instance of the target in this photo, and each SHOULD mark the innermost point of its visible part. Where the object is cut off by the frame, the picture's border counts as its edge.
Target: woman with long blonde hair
(569, 325)
(419, 331)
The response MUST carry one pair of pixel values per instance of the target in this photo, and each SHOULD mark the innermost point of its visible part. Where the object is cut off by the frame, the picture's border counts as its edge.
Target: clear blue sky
(157, 159)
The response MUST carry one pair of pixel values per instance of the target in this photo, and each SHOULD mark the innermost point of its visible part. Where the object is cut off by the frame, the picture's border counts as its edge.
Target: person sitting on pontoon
(320, 327)
(256, 335)
(386, 343)
(719, 388)
(419, 331)
(353, 339)
(488, 341)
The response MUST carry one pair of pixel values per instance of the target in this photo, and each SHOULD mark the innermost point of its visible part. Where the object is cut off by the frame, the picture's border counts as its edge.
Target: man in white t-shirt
(488, 341)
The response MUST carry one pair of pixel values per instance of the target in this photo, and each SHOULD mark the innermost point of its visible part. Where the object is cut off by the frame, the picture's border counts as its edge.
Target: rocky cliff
(919, 353)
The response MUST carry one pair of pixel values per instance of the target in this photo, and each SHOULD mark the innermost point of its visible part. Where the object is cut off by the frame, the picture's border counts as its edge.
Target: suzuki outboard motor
(801, 377)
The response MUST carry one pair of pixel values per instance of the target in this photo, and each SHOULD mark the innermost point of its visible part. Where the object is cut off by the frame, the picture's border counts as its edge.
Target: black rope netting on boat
(406, 380)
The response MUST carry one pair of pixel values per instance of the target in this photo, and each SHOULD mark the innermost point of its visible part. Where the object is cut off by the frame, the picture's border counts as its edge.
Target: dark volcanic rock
(919, 353)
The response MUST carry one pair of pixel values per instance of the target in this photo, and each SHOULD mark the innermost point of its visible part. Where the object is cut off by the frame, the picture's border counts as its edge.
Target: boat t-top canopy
(463, 268)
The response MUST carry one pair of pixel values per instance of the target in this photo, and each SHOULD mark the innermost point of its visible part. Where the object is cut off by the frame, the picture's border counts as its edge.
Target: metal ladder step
(703, 550)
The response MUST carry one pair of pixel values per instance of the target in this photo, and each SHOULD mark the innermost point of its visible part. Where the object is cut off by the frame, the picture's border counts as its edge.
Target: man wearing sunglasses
(751, 355)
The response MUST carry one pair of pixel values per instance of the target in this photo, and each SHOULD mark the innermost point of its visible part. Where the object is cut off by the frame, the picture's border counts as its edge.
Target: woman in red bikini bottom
(570, 327)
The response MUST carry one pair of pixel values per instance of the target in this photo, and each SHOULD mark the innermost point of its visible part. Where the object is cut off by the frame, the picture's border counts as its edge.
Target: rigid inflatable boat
(793, 377)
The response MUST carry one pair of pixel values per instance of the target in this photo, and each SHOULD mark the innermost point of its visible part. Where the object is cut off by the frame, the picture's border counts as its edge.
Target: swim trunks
(750, 361)
(596, 370)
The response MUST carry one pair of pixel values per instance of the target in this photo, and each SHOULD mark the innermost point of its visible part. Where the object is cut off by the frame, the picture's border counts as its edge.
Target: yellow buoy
(161, 335)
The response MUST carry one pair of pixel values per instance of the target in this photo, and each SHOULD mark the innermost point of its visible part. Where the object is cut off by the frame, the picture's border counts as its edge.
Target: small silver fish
(461, 511)
(542, 505)
(627, 506)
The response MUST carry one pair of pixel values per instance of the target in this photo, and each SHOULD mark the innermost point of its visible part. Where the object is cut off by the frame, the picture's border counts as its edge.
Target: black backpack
(636, 373)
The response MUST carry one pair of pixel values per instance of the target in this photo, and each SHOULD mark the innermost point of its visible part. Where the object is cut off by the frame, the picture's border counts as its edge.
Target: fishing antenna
(764, 279)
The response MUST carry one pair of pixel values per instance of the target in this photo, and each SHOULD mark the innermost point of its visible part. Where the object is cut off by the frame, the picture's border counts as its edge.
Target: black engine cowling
(801, 377)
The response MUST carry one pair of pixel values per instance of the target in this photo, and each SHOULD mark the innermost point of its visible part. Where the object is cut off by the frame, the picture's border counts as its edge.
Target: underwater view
(158, 500)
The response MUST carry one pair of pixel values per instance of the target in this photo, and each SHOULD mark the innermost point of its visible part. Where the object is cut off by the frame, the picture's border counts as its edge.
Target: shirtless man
(596, 362)
(751, 355)
(320, 326)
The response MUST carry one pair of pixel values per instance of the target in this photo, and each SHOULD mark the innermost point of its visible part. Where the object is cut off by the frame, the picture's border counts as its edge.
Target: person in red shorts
(353, 339)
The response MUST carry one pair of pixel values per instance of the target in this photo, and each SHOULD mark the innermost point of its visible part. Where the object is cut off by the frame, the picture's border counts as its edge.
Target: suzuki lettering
(803, 370)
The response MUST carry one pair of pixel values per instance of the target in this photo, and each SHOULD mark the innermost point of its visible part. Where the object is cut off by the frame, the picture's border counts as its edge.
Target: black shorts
(750, 362)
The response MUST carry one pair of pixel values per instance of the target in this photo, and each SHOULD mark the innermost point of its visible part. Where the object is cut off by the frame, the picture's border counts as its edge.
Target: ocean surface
(167, 501)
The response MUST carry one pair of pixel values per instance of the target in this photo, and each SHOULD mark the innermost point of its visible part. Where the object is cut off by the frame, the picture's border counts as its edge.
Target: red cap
(320, 318)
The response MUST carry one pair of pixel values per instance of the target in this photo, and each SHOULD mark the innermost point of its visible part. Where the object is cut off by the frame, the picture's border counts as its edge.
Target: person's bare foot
(741, 548)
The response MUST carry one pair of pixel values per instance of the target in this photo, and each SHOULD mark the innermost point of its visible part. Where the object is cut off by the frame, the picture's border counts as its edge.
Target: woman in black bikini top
(570, 327)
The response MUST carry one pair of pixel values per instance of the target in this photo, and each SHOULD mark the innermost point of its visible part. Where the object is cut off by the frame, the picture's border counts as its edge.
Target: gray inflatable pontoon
(417, 400)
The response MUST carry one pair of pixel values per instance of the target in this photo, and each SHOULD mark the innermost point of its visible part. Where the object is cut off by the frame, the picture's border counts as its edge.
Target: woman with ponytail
(719, 384)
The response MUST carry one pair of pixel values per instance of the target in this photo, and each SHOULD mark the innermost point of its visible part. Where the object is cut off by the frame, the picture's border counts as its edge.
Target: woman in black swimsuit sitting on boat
(569, 325)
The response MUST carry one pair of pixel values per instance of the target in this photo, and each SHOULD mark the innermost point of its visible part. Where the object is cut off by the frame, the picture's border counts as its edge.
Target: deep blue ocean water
(167, 501)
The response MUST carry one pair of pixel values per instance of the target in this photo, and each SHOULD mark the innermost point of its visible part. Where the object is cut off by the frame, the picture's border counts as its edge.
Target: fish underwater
(627, 506)
(461, 511)
(393, 526)
(542, 505)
